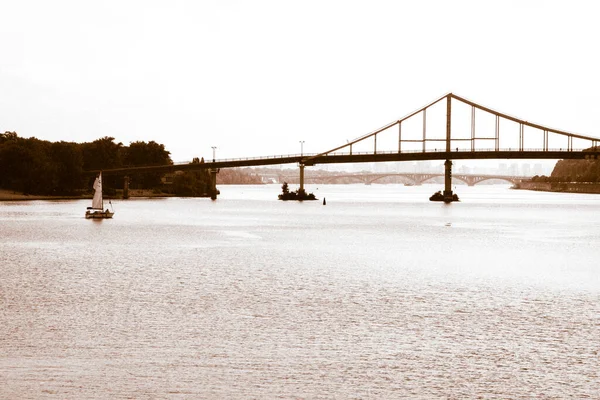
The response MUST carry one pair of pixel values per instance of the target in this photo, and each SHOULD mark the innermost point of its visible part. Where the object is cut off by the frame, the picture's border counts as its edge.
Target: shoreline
(9, 195)
(559, 187)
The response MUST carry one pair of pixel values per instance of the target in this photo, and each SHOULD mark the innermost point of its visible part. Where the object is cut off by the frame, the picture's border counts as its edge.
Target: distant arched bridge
(408, 177)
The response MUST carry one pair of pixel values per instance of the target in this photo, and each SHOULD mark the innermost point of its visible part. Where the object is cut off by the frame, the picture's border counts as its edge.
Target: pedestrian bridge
(449, 128)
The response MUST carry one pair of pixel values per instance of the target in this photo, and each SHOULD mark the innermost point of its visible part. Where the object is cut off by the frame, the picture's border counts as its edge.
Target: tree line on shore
(580, 171)
(39, 167)
(238, 176)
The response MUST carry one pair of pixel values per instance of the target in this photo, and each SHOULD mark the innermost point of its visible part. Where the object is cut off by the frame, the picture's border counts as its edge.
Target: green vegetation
(580, 171)
(192, 184)
(40, 167)
(238, 176)
(299, 194)
(33, 166)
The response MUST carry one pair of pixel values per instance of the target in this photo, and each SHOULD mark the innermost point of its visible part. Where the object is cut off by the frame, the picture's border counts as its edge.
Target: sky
(255, 78)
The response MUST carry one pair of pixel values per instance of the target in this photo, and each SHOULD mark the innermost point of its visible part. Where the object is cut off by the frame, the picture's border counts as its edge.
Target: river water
(378, 294)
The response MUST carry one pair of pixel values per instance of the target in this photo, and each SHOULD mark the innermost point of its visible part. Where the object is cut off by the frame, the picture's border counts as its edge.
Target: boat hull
(98, 214)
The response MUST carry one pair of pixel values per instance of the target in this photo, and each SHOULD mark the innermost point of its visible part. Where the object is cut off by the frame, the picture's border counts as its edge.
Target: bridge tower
(448, 195)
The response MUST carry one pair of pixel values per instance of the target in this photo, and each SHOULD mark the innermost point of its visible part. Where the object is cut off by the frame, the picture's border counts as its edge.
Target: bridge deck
(342, 158)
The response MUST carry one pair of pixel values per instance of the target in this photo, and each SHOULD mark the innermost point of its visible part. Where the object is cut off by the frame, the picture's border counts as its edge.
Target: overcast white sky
(256, 77)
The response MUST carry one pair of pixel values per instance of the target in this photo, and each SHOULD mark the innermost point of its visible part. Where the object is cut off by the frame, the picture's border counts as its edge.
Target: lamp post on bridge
(301, 148)
(214, 148)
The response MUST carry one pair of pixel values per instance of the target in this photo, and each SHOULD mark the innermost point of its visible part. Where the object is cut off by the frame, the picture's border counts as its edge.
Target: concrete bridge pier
(448, 195)
(126, 187)
(213, 183)
(301, 177)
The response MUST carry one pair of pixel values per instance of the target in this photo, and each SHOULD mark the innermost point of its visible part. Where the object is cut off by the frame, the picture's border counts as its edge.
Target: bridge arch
(459, 178)
(405, 178)
(356, 178)
(506, 179)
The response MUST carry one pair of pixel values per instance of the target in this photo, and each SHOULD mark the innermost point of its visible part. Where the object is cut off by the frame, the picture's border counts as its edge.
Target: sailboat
(97, 209)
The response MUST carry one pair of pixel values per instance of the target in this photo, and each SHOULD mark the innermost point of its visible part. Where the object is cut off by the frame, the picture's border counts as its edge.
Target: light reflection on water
(379, 294)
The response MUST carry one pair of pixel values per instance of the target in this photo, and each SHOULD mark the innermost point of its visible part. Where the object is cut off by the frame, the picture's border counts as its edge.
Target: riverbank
(9, 195)
(565, 187)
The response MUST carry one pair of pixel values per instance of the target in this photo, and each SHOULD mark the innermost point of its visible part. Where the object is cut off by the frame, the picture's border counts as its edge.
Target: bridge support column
(301, 177)
(448, 195)
(126, 187)
(213, 183)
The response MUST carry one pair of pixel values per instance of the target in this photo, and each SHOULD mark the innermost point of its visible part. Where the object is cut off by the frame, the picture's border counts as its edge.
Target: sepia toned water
(379, 294)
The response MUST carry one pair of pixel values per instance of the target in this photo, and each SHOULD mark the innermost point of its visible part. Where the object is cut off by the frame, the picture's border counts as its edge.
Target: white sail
(97, 200)
(97, 208)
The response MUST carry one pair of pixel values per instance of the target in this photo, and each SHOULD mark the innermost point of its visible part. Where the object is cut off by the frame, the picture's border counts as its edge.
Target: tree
(68, 161)
(192, 183)
(144, 154)
(101, 154)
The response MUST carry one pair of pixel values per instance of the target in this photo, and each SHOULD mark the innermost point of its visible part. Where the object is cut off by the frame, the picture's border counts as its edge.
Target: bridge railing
(348, 153)
(455, 150)
(280, 156)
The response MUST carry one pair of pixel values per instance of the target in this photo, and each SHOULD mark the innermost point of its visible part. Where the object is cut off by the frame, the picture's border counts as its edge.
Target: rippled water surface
(379, 294)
